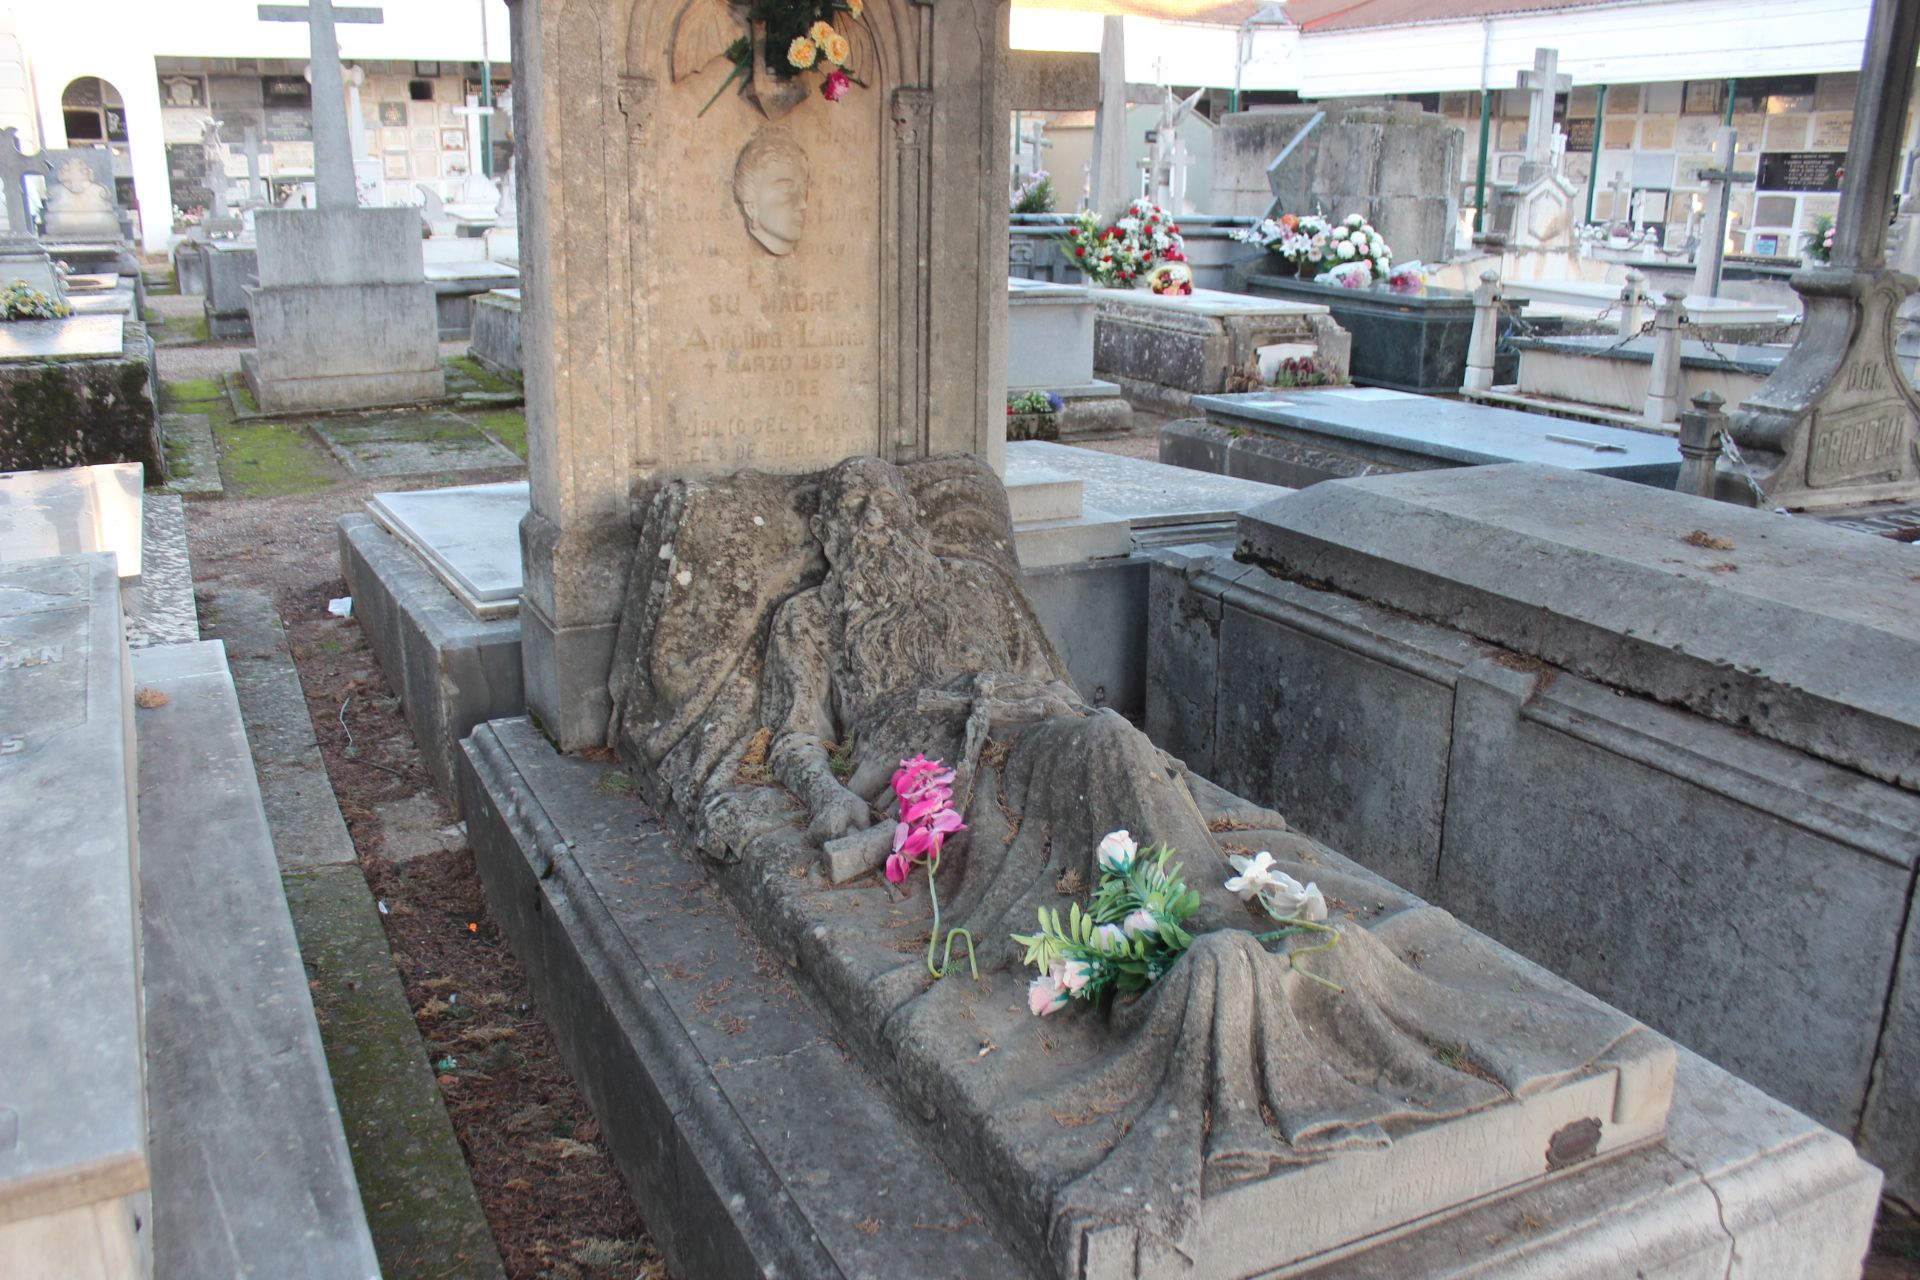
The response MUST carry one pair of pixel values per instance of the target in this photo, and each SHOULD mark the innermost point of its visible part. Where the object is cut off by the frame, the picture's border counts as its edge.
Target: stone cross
(1545, 84)
(1110, 173)
(1713, 241)
(1621, 193)
(332, 151)
(256, 193)
(15, 165)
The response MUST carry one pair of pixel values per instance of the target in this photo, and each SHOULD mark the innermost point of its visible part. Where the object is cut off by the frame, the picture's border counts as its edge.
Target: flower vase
(1033, 426)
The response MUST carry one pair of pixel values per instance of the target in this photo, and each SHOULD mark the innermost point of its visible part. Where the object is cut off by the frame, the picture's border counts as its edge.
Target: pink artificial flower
(1045, 996)
(1109, 937)
(1139, 921)
(898, 868)
(1072, 975)
(835, 86)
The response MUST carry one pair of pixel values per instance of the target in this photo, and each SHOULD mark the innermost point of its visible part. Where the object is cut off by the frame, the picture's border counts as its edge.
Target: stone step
(251, 1171)
(193, 467)
(1036, 493)
(73, 1119)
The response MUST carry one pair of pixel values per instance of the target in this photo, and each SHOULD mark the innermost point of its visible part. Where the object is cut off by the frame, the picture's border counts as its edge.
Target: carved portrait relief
(770, 184)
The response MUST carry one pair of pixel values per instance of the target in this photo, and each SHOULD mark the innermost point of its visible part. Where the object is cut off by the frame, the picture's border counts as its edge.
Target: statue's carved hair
(771, 143)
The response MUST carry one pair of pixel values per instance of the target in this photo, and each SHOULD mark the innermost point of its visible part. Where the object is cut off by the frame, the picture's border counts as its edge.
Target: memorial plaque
(1512, 135)
(286, 91)
(1624, 99)
(1657, 133)
(1836, 92)
(1579, 169)
(183, 91)
(423, 114)
(1832, 130)
(773, 356)
(288, 124)
(426, 140)
(1618, 135)
(1704, 97)
(1801, 170)
(1696, 133)
(1787, 133)
(393, 114)
(116, 122)
(1663, 98)
(1749, 129)
(1580, 135)
(1862, 444)
(393, 139)
(186, 175)
(1774, 211)
(1687, 171)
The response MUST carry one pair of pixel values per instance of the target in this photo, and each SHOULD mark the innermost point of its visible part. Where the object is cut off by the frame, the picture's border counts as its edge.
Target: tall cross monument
(1546, 84)
(333, 182)
(1713, 240)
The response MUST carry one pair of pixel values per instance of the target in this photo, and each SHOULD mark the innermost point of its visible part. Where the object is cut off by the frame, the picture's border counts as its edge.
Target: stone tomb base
(77, 391)
(1050, 348)
(1165, 350)
(1663, 746)
(750, 1141)
(343, 316)
(495, 341)
(232, 270)
(1299, 438)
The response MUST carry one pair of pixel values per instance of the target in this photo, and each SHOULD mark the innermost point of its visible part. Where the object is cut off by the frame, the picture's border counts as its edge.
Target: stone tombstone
(727, 272)
(1393, 164)
(78, 206)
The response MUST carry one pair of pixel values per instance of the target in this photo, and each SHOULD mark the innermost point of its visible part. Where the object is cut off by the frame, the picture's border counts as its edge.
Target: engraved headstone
(78, 207)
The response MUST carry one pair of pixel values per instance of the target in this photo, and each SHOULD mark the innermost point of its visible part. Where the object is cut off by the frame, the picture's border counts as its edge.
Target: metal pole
(1599, 127)
(1480, 172)
(486, 96)
(1727, 118)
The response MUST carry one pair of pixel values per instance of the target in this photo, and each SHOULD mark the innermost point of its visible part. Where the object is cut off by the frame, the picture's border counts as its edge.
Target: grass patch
(179, 467)
(269, 459)
(191, 395)
(257, 459)
(508, 426)
(464, 373)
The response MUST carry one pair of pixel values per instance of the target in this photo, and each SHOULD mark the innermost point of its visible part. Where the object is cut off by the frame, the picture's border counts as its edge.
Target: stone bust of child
(770, 184)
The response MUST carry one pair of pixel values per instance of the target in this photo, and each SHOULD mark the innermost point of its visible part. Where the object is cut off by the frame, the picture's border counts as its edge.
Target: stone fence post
(1663, 384)
(1486, 333)
(1702, 429)
(1633, 304)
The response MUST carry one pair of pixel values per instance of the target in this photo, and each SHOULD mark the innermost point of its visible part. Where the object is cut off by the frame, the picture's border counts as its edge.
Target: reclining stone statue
(787, 641)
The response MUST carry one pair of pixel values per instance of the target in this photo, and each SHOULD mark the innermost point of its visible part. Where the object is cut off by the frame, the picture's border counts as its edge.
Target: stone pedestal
(1409, 342)
(1050, 348)
(79, 390)
(496, 331)
(1839, 422)
(232, 270)
(343, 316)
(669, 330)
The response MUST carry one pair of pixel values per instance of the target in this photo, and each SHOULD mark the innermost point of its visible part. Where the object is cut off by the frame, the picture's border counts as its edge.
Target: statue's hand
(838, 814)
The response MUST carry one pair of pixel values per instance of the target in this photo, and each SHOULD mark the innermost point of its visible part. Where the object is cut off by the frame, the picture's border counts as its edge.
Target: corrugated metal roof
(1350, 15)
(1224, 13)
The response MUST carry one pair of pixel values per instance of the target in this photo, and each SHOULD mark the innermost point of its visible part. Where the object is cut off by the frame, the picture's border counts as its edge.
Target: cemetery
(853, 638)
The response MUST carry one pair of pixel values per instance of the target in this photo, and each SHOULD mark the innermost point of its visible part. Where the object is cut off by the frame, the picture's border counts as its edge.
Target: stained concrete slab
(1399, 431)
(73, 1110)
(411, 444)
(1148, 495)
(248, 1151)
(1795, 631)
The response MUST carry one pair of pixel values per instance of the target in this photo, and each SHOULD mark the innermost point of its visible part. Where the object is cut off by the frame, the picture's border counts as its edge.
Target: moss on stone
(464, 373)
(508, 426)
(269, 459)
(74, 412)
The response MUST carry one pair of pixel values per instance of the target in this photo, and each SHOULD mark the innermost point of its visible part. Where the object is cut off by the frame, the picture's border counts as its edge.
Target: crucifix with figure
(333, 183)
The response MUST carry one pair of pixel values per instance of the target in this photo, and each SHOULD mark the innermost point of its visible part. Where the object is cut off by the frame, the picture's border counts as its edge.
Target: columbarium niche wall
(774, 283)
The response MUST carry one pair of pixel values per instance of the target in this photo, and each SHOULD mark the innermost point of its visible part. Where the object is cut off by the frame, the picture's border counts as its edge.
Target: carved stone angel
(778, 627)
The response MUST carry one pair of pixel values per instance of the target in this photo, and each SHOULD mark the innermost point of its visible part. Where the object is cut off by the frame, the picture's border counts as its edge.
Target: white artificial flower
(1116, 852)
(1287, 899)
(1345, 250)
(1139, 921)
(1341, 233)
(1109, 937)
(1255, 874)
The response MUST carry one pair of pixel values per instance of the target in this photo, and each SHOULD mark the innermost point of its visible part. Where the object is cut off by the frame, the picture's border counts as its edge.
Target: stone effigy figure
(774, 624)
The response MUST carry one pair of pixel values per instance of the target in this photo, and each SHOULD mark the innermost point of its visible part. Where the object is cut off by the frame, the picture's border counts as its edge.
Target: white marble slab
(73, 511)
(469, 536)
(74, 338)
